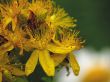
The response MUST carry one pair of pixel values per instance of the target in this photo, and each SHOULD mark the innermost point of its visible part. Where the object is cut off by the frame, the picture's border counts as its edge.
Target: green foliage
(47, 79)
(21, 79)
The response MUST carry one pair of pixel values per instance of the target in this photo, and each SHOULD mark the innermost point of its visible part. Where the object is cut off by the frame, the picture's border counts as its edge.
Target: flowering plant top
(40, 27)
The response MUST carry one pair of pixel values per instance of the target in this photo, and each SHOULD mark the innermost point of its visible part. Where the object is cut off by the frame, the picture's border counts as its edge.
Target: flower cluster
(42, 28)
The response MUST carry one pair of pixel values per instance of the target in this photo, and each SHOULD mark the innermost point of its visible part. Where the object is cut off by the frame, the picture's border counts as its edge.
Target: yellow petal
(74, 64)
(14, 23)
(58, 58)
(14, 70)
(0, 76)
(7, 20)
(47, 62)
(31, 63)
(6, 47)
(60, 49)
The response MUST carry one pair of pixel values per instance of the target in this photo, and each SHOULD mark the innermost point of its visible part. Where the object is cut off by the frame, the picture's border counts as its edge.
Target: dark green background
(93, 20)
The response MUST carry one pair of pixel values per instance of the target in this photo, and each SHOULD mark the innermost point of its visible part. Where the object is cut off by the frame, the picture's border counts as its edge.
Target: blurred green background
(93, 20)
(94, 24)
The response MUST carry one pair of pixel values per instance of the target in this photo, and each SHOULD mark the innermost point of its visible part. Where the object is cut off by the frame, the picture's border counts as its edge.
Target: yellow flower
(45, 60)
(15, 39)
(40, 7)
(39, 39)
(10, 12)
(44, 40)
(6, 66)
(64, 43)
(43, 28)
(59, 18)
(39, 36)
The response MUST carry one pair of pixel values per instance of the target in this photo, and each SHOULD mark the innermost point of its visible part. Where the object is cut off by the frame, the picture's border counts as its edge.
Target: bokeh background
(93, 20)
(94, 24)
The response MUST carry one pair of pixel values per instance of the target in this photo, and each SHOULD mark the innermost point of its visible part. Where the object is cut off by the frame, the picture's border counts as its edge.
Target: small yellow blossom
(15, 38)
(39, 40)
(11, 12)
(40, 7)
(59, 18)
(50, 36)
(64, 43)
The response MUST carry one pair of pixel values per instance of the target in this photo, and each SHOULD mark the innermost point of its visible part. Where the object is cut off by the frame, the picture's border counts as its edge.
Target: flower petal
(58, 58)
(60, 49)
(7, 20)
(74, 64)
(32, 62)
(0, 76)
(14, 23)
(47, 62)
(6, 47)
